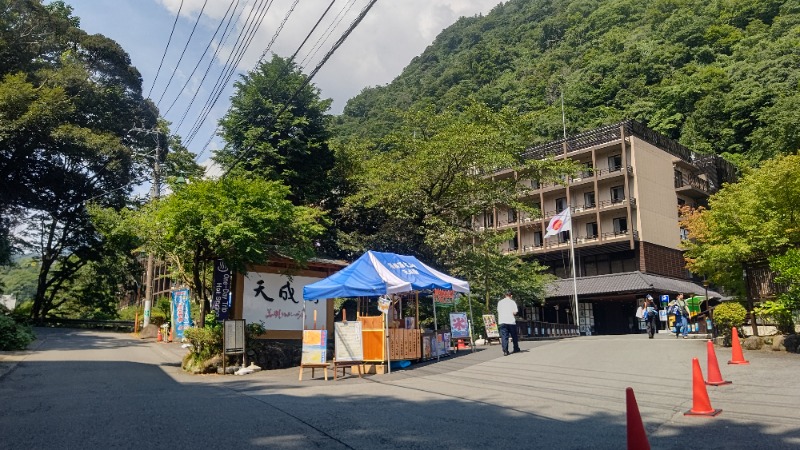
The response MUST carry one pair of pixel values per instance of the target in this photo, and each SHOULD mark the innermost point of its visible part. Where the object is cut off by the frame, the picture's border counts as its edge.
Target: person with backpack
(650, 316)
(678, 308)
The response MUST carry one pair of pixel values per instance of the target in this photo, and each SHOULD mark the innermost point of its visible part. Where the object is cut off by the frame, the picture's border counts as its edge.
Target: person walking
(650, 316)
(506, 317)
(681, 312)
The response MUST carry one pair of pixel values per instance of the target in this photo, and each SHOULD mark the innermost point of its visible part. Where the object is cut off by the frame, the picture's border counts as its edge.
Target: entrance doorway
(615, 317)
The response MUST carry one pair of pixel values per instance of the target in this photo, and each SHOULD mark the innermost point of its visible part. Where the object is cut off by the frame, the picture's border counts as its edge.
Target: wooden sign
(349, 345)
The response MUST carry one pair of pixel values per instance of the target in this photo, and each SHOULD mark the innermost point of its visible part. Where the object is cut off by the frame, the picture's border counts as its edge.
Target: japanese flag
(560, 222)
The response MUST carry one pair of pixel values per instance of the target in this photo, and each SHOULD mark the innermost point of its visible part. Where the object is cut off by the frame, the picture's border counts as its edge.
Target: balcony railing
(610, 170)
(693, 181)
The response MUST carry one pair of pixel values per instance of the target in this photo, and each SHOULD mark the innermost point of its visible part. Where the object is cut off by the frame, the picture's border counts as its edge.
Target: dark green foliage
(13, 335)
(729, 315)
(67, 102)
(278, 131)
(720, 77)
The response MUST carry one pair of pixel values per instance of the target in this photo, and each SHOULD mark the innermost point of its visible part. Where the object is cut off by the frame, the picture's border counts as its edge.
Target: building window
(512, 243)
(587, 172)
(512, 216)
(684, 234)
(620, 225)
(534, 184)
(617, 194)
(488, 220)
(614, 163)
(538, 207)
(588, 199)
(561, 204)
(563, 237)
(678, 178)
(537, 239)
(591, 230)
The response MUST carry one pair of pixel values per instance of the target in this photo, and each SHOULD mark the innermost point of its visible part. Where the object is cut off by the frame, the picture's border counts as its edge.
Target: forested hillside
(718, 76)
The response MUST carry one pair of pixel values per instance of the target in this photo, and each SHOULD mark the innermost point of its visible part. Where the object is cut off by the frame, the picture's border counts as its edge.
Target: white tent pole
(471, 322)
(435, 329)
(386, 327)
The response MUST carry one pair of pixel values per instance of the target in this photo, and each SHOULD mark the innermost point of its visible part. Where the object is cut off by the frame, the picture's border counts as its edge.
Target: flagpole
(574, 279)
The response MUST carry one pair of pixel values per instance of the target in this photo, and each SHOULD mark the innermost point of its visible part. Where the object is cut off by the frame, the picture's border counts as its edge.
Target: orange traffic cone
(701, 405)
(159, 337)
(714, 375)
(736, 355)
(171, 329)
(461, 345)
(637, 438)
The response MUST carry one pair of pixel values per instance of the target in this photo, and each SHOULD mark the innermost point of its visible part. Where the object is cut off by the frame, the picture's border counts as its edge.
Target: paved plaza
(100, 390)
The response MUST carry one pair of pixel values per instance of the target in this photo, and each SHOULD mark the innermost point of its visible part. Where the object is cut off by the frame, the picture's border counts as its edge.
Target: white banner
(273, 299)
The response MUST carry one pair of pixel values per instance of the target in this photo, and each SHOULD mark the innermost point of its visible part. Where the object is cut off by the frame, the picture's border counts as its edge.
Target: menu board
(315, 347)
(491, 326)
(348, 339)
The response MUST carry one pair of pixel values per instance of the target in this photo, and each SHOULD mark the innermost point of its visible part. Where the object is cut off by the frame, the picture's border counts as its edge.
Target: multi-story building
(625, 222)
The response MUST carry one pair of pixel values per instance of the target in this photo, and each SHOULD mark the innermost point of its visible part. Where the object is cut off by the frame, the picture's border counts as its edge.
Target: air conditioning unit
(527, 219)
(580, 240)
(576, 179)
(578, 209)
(481, 228)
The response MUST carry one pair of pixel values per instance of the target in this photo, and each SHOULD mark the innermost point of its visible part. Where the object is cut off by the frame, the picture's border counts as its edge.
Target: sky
(391, 34)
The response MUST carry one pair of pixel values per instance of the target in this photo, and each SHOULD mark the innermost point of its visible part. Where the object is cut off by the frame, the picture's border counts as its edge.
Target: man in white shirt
(506, 312)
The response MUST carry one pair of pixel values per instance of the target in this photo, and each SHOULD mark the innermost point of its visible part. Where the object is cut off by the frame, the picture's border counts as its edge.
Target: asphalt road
(83, 389)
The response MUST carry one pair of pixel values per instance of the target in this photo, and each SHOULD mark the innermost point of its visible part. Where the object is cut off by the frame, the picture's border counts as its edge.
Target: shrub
(13, 335)
(207, 341)
(728, 315)
(778, 313)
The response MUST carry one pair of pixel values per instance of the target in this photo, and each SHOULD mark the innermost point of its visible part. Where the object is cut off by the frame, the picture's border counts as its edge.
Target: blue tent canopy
(377, 273)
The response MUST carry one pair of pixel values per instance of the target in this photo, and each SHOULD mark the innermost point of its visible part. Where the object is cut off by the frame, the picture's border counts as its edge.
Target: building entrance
(615, 317)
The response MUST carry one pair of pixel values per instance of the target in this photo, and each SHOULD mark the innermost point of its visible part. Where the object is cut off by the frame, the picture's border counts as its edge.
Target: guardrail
(537, 329)
(116, 325)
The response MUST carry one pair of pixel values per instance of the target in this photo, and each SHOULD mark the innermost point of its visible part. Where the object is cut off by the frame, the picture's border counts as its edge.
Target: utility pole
(155, 193)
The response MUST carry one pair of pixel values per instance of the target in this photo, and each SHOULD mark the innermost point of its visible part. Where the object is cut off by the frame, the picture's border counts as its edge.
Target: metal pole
(155, 192)
(574, 280)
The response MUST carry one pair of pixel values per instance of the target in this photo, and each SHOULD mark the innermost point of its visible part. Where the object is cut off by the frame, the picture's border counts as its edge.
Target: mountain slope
(720, 77)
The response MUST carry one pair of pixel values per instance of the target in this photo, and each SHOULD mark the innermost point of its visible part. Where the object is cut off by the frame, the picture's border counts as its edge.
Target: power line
(328, 32)
(223, 40)
(308, 79)
(242, 42)
(205, 52)
(260, 59)
(177, 16)
(175, 70)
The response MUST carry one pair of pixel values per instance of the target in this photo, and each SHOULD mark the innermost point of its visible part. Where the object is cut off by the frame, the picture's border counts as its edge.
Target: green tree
(419, 193)
(67, 102)
(277, 129)
(754, 219)
(244, 221)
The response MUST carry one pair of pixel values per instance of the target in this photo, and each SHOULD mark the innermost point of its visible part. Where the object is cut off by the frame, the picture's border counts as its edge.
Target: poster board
(491, 326)
(349, 344)
(315, 347)
(233, 336)
(459, 325)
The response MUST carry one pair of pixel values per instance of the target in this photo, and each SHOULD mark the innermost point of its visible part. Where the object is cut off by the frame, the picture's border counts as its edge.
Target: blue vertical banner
(220, 302)
(181, 312)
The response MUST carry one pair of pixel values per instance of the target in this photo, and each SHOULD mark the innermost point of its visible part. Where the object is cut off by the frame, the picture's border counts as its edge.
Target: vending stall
(390, 279)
